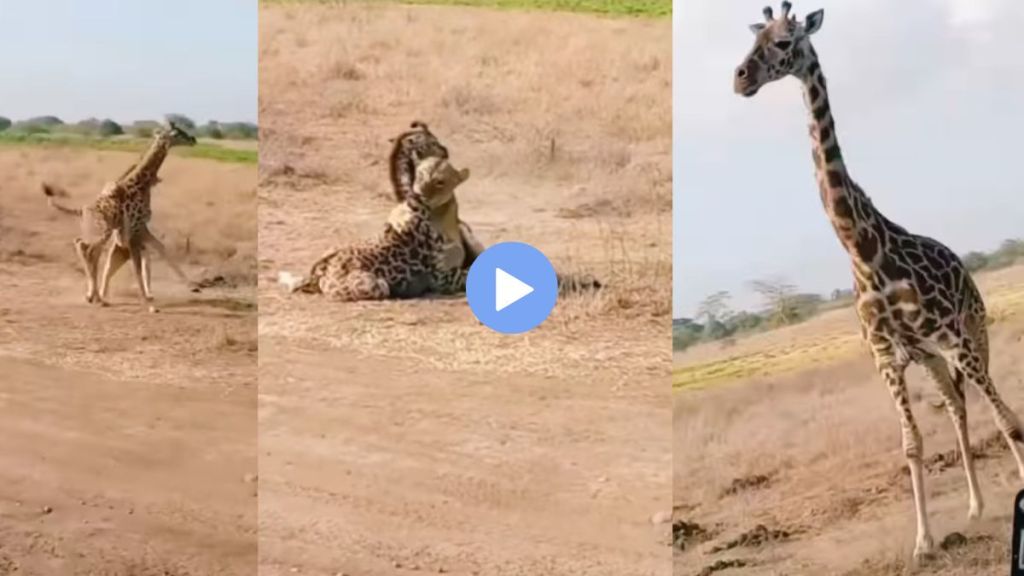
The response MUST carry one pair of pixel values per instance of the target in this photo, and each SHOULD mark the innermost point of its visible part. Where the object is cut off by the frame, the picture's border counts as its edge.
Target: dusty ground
(810, 445)
(403, 437)
(127, 440)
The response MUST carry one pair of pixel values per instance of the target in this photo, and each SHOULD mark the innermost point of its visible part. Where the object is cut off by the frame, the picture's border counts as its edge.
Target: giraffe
(409, 149)
(915, 300)
(404, 261)
(122, 210)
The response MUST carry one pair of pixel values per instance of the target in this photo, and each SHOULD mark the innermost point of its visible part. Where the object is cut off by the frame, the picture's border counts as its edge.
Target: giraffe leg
(146, 280)
(116, 257)
(913, 449)
(451, 281)
(355, 285)
(951, 388)
(976, 372)
(135, 252)
(151, 240)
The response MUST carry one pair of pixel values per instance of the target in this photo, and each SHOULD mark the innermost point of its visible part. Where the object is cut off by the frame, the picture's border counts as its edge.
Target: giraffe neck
(862, 230)
(144, 174)
(417, 204)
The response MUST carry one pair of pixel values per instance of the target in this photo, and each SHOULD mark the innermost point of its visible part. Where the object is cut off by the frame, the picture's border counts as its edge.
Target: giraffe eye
(783, 44)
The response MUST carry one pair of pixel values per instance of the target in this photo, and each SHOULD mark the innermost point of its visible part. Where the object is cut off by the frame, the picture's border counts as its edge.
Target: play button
(508, 289)
(511, 287)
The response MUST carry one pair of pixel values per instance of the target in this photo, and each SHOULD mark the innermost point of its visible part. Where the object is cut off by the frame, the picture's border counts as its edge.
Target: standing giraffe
(915, 300)
(122, 210)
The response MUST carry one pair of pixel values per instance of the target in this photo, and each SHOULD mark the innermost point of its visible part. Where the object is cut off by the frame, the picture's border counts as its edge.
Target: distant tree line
(783, 305)
(107, 128)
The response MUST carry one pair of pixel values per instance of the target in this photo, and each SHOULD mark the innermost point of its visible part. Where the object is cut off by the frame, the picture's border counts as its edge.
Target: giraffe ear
(463, 175)
(812, 23)
(756, 28)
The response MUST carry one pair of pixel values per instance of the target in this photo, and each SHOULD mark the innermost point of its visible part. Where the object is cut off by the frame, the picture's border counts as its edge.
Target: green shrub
(110, 128)
(143, 128)
(211, 130)
(239, 130)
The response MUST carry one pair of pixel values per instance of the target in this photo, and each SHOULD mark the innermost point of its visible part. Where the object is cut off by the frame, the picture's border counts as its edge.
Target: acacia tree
(715, 308)
(779, 298)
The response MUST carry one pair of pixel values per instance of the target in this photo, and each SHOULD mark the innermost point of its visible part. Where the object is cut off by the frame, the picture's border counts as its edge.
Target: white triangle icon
(508, 289)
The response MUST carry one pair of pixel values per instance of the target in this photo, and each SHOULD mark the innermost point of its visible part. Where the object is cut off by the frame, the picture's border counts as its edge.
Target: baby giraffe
(914, 298)
(406, 260)
(122, 210)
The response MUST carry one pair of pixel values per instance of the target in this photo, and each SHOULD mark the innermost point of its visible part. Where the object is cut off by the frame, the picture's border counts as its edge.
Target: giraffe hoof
(924, 549)
(974, 513)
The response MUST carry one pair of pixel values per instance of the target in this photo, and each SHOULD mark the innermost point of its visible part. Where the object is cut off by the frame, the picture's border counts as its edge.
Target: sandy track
(127, 440)
(367, 469)
(827, 438)
(404, 437)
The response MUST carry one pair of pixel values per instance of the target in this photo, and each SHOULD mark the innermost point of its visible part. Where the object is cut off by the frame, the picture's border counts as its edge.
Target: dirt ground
(404, 437)
(127, 439)
(811, 451)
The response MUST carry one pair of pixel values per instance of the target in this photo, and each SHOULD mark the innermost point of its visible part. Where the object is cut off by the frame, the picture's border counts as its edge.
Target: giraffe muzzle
(743, 82)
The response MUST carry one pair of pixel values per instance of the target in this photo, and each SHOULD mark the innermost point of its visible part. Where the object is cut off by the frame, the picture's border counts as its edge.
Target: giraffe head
(782, 48)
(436, 181)
(172, 135)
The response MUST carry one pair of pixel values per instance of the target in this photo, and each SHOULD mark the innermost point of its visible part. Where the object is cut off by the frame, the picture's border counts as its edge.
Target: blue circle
(515, 268)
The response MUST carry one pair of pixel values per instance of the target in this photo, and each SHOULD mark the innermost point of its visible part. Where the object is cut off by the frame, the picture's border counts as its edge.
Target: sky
(129, 60)
(928, 98)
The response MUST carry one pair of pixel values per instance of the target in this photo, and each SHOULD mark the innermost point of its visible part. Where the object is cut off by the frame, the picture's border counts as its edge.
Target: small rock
(294, 570)
(249, 478)
(953, 540)
(441, 570)
(661, 517)
(47, 509)
(396, 564)
(602, 479)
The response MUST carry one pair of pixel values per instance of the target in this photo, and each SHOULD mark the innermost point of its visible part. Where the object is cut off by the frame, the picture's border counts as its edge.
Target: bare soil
(823, 432)
(402, 437)
(127, 439)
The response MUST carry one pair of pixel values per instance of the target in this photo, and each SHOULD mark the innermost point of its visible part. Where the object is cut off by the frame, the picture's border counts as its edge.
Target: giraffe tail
(52, 192)
(308, 285)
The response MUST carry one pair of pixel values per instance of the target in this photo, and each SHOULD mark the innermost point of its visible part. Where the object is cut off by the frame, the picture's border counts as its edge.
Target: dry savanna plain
(788, 457)
(127, 439)
(404, 437)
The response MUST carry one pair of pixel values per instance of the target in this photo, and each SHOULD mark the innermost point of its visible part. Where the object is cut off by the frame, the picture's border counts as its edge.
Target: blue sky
(929, 104)
(129, 59)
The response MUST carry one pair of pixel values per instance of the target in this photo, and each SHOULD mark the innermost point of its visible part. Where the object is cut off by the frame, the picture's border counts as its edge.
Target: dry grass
(205, 213)
(827, 338)
(819, 423)
(565, 122)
